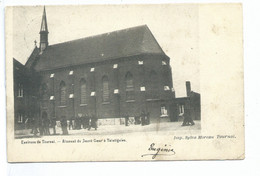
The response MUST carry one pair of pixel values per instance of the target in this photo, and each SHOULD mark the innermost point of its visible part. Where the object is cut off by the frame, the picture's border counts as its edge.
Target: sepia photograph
(124, 82)
(115, 82)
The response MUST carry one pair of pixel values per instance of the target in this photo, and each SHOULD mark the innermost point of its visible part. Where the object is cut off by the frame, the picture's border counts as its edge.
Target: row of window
(71, 72)
(129, 88)
(83, 93)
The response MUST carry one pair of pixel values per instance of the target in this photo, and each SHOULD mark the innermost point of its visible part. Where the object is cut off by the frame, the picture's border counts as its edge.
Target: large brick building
(108, 75)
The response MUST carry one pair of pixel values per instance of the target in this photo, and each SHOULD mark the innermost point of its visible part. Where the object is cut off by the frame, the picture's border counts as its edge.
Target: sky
(175, 27)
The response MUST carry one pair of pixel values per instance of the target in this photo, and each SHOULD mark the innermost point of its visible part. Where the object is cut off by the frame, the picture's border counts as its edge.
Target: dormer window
(115, 66)
(140, 62)
(164, 63)
(92, 94)
(166, 88)
(142, 89)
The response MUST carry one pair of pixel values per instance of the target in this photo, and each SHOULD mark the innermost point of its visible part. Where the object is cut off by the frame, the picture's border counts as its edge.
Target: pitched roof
(122, 43)
(31, 60)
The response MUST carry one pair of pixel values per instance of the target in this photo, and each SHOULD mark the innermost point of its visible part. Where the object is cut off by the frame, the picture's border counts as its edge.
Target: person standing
(53, 125)
(93, 122)
(148, 118)
(143, 118)
(70, 124)
(64, 126)
(126, 119)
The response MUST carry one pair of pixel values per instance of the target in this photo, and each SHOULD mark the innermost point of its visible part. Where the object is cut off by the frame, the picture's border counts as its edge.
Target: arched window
(105, 89)
(44, 90)
(62, 93)
(153, 85)
(129, 86)
(83, 91)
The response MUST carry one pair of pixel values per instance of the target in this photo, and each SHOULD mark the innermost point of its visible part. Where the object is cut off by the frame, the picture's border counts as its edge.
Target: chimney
(188, 88)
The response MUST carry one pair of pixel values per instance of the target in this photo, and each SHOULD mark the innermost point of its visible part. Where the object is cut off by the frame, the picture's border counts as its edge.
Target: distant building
(189, 105)
(107, 75)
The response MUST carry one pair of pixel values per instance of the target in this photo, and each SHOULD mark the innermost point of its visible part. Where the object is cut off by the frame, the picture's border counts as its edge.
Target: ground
(163, 127)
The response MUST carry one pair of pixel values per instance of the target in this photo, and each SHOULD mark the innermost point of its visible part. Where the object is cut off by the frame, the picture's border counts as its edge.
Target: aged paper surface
(74, 80)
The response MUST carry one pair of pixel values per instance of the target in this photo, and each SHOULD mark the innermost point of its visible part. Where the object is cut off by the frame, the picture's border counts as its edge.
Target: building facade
(111, 75)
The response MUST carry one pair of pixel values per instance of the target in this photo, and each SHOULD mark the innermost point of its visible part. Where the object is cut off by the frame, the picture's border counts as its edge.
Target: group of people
(143, 119)
(42, 126)
(83, 122)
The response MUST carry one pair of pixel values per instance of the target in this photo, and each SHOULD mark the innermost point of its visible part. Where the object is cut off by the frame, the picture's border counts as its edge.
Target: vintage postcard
(124, 82)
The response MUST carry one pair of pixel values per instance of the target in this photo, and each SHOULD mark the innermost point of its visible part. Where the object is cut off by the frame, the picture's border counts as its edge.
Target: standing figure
(46, 124)
(126, 119)
(87, 121)
(41, 126)
(34, 127)
(143, 118)
(148, 118)
(53, 125)
(93, 122)
(64, 126)
(187, 120)
(70, 124)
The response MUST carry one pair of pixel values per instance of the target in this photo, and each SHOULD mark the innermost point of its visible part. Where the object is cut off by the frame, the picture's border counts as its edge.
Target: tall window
(44, 90)
(153, 93)
(20, 118)
(62, 93)
(83, 91)
(129, 86)
(105, 89)
(20, 90)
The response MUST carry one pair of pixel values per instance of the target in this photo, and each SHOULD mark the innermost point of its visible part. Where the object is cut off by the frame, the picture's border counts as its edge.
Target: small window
(20, 118)
(166, 88)
(142, 89)
(116, 91)
(164, 63)
(92, 69)
(52, 75)
(164, 111)
(20, 90)
(52, 98)
(140, 62)
(115, 66)
(92, 94)
(71, 72)
(71, 96)
(181, 109)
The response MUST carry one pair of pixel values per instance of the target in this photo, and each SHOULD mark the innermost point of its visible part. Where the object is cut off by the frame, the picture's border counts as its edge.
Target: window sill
(130, 101)
(62, 106)
(19, 96)
(107, 102)
(155, 99)
(83, 104)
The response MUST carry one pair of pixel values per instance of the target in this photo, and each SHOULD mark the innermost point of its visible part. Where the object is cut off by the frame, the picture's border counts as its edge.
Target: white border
(249, 166)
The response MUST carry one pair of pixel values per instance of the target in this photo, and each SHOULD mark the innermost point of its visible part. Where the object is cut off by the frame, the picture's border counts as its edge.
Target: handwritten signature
(166, 150)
